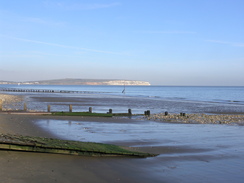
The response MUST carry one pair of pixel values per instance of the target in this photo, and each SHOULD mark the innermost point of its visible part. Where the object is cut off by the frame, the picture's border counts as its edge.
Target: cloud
(80, 6)
(59, 45)
(27, 54)
(97, 6)
(227, 43)
(168, 32)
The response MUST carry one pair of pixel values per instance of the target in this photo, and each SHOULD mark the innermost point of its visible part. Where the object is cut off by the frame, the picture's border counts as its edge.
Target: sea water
(224, 94)
(175, 99)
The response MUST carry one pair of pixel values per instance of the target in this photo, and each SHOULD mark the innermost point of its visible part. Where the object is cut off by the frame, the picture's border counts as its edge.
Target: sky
(164, 42)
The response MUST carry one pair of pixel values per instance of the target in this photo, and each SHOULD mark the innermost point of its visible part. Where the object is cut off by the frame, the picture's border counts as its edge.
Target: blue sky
(165, 42)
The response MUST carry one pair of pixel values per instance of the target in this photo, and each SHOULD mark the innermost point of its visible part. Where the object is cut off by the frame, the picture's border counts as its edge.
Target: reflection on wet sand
(184, 148)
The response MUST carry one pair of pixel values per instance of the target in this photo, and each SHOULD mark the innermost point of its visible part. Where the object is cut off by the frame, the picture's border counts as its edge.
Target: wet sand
(102, 103)
(176, 163)
(40, 167)
(138, 105)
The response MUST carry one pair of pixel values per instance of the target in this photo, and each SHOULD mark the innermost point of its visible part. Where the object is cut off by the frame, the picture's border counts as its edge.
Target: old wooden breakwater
(57, 146)
(90, 111)
(44, 91)
(70, 110)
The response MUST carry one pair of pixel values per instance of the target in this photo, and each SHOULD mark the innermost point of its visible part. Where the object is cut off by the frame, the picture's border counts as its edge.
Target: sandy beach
(40, 167)
(177, 161)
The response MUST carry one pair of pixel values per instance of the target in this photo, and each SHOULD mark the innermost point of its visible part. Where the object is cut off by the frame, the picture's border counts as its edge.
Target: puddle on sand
(222, 160)
(149, 133)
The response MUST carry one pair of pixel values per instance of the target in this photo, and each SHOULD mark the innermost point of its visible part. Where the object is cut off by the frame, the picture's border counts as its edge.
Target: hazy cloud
(227, 43)
(79, 6)
(168, 32)
(27, 54)
(60, 45)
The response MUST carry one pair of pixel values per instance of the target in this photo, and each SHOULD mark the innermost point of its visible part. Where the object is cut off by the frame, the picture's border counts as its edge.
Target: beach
(186, 151)
(40, 167)
(125, 91)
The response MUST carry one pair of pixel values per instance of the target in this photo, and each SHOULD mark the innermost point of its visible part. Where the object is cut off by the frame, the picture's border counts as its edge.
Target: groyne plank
(56, 146)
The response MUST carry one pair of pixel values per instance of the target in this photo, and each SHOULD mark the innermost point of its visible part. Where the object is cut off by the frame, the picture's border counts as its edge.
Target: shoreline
(199, 118)
(41, 167)
(31, 167)
(120, 104)
(210, 117)
(38, 103)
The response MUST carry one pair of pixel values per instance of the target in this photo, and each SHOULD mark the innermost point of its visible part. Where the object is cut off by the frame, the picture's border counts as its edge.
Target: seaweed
(51, 145)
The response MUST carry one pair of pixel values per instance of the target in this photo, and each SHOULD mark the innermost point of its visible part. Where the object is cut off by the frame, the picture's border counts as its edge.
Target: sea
(224, 94)
(190, 99)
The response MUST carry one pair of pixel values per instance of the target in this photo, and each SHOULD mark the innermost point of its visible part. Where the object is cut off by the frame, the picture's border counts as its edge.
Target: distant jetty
(81, 82)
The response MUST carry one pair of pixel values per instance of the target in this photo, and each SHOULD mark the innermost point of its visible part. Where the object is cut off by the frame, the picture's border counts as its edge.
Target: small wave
(234, 101)
(154, 96)
(229, 101)
(176, 98)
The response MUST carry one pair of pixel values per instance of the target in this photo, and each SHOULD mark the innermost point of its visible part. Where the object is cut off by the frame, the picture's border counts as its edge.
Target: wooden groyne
(57, 146)
(69, 112)
(45, 91)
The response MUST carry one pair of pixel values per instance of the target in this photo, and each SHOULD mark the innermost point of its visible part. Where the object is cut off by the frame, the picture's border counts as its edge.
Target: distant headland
(69, 81)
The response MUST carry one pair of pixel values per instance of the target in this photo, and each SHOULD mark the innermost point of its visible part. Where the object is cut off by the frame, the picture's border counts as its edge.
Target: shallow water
(206, 152)
(174, 99)
(219, 94)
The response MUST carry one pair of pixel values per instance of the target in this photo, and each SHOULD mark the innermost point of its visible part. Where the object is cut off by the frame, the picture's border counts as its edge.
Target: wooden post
(1, 105)
(70, 108)
(148, 112)
(129, 112)
(90, 109)
(48, 108)
(25, 107)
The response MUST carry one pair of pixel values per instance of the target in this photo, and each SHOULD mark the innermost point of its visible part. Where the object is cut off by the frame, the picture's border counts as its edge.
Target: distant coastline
(81, 82)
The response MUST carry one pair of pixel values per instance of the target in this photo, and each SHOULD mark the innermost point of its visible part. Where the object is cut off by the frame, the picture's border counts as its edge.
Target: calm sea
(222, 94)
